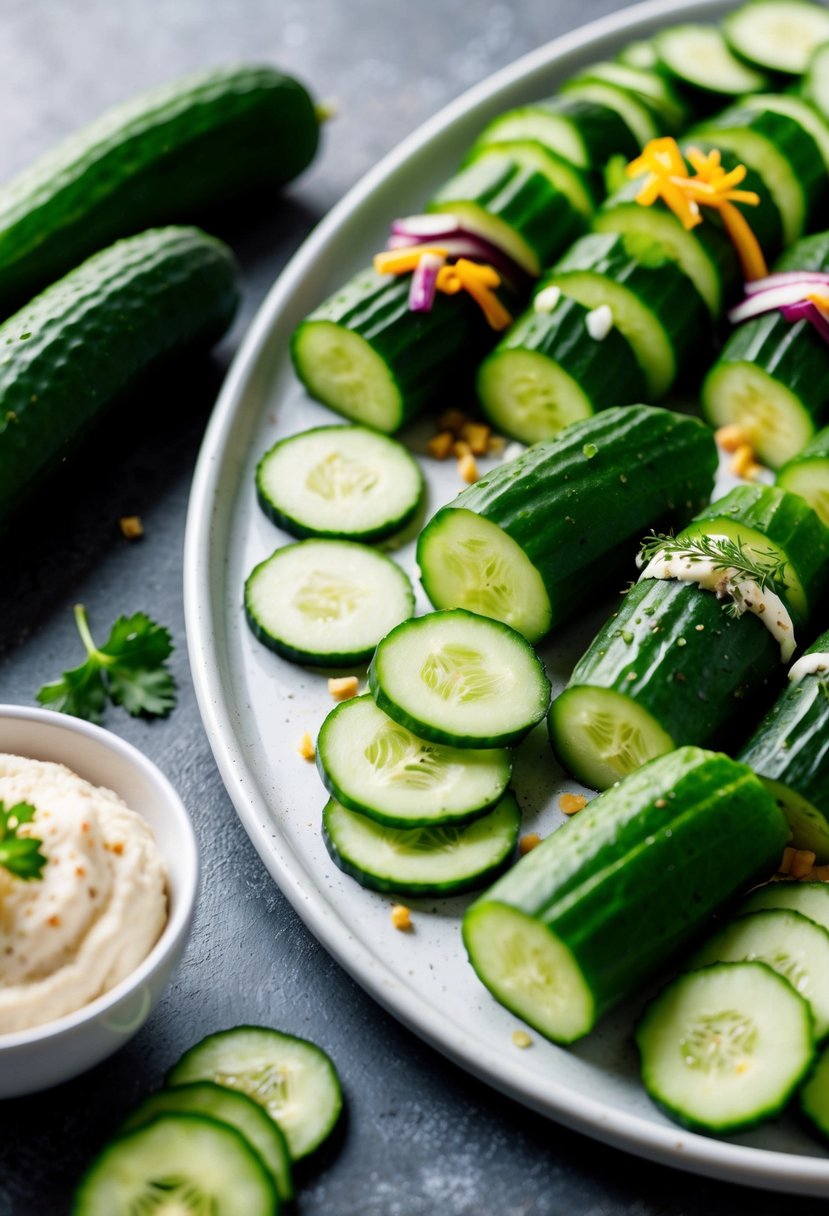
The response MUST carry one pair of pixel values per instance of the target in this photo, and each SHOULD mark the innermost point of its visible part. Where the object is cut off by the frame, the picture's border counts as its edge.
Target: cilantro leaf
(128, 669)
(21, 856)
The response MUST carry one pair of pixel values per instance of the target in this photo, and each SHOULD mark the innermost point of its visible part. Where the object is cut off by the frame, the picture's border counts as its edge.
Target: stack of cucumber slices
(238, 1110)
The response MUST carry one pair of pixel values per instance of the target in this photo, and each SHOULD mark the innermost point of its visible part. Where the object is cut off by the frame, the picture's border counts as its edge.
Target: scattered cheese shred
(570, 804)
(404, 261)
(476, 434)
(131, 527)
(529, 842)
(441, 445)
(730, 437)
(401, 918)
(461, 448)
(802, 863)
(743, 460)
(343, 688)
(521, 1039)
(468, 469)
(306, 747)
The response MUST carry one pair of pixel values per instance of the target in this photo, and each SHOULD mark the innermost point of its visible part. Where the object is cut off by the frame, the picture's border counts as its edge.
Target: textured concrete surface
(421, 1137)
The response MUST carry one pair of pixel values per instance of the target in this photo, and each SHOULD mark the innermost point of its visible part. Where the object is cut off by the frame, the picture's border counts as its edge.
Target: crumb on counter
(743, 463)
(453, 420)
(343, 688)
(802, 863)
(401, 918)
(306, 747)
(476, 434)
(570, 804)
(529, 842)
(468, 469)
(441, 445)
(731, 437)
(786, 860)
(820, 874)
(521, 1039)
(131, 527)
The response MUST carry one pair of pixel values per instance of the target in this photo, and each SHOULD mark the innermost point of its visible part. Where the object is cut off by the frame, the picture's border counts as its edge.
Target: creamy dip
(809, 665)
(98, 908)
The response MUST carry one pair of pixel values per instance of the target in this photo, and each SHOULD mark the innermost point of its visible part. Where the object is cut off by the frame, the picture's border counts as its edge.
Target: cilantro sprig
(129, 670)
(21, 856)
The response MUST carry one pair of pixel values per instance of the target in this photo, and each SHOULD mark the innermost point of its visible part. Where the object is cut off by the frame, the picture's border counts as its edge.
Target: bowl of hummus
(98, 883)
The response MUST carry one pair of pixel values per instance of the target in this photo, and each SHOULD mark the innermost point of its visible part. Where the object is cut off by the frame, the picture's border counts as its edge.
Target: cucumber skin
(628, 882)
(791, 744)
(164, 156)
(651, 465)
(603, 132)
(694, 692)
(91, 335)
(817, 449)
(786, 520)
(607, 372)
(428, 353)
(663, 288)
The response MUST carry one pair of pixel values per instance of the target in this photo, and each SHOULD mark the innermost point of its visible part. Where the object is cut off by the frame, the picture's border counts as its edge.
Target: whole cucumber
(163, 157)
(76, 347)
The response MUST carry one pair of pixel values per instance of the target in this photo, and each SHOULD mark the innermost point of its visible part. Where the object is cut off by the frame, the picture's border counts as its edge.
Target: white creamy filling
(809, 665)
(599, 322)
(728, 583)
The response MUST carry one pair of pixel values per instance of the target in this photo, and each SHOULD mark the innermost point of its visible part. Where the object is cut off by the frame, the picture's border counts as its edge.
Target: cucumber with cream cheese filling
(654, 303)
(514, 206)
(807, 474)
(366, 355)
(549, 371)
(790, 750)
(522, 545)
(585, 132)
(591, 913)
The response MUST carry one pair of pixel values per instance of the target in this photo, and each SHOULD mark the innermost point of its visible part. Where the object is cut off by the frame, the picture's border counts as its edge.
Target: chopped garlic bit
(521, 1039)
(306, 747)
(547, 299)
(401, 918)
(570, 804)
(441, 445)
(343, 688)
(731, 437)
(468, 469)
(512, 451)
(599, 322)
(529, 842)
(131, 527)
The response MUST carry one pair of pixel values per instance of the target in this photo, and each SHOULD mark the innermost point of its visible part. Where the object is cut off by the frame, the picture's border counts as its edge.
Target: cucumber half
(529, 396)
(326, 602)
(178, 1163)
(777, 35)
(792, 945)
(460, 679)
(771, 415)
(230, 1107)
(725, 1047)
(339, 482)
(340, 368)
(810, 827)
(600, 735)
(375, 766)
(293, 1080)
(422, 861)
(699, 56)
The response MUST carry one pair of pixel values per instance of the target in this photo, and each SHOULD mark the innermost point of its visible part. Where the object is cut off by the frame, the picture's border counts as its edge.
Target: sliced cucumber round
(584, 132)
(777, 35)
(699, 56)
(529, 396)
(326, 602)
(651, 88)
(725, 1047)
(422, 861)
(294, 1080)
(810, 899)
(460, 679)
(641, 54)
(599, 735)
(807, 474)
(375, 766)
(804, 114)
(639, 117)
(815, 84)
(227, 1106)
(771, 416)
(178, 1163)
(339, 482)
(562, 174)
(339, 367)
(792, 945)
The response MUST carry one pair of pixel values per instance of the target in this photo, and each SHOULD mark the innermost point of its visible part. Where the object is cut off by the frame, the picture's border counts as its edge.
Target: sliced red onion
(807, 310)
(782, 277)
(426, 227)
(458, 241)
(777, 296)
(424, 283)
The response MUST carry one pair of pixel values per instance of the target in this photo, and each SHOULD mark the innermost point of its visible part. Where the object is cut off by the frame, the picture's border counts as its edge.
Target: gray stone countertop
(421, 1137)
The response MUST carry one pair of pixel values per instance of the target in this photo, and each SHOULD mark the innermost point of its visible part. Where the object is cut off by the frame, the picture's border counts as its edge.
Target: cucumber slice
(562, 174)
(600, 735)
(699, 56)
(460, 679)
(641, 54)
(810, 899)
(815, 85)
(294, 1080)
(376, 767)
(178, 1163)
(725, 1047)
(655, 91)
(226, 1106)
(792, 945)
(807, 474)
(583, 132)
(422, 861)
(809, 826)
(813, 123)
(814, 1096)
(777, 35)
(638, 117)
(326, 602)
(340, 482)
(341, 369)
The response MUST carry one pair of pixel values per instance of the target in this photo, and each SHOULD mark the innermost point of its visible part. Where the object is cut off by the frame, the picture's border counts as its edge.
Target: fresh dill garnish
(765, 567)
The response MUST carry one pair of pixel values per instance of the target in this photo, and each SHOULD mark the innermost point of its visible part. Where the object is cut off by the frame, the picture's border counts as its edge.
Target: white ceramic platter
(256, 707)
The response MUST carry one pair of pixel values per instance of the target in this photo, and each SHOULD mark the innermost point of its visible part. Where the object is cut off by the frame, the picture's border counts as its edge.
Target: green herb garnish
(765, 567)
(128, 670)
(21, 857)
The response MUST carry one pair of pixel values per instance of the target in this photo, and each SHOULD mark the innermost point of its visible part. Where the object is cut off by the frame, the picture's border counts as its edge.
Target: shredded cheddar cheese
(521, 1039)
(343, 688)
(571, 804)
(306, 747)
(440, 445)
(529, 842)
(401, 918)
(477, 279)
